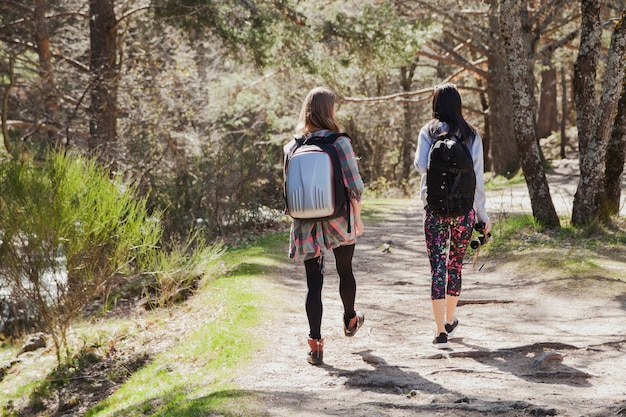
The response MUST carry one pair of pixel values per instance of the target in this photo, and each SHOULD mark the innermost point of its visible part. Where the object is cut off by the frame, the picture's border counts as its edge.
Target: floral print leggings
(447, 239)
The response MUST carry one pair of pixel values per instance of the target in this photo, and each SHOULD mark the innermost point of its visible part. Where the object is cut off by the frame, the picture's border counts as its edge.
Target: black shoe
(451, 328)
(441, 341)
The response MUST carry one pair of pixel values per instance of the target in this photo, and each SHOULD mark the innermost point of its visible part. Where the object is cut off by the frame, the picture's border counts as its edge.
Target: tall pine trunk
(548, 112)
(409, 135)
(46, 76)
(103, 66)
(505, 157)
(519, 73)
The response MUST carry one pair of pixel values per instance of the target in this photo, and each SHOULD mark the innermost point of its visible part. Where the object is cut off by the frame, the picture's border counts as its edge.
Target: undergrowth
(573, 252)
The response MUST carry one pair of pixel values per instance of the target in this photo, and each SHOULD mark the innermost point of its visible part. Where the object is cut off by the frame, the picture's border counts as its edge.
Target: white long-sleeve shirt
(424, 143)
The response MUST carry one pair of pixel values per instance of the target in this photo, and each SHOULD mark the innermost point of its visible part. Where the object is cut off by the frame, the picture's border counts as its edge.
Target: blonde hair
(318, 112)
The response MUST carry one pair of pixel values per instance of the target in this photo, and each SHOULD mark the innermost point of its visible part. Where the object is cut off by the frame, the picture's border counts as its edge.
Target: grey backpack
(314, 185)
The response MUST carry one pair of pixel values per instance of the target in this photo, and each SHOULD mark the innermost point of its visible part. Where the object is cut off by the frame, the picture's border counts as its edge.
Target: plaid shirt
(309, 239)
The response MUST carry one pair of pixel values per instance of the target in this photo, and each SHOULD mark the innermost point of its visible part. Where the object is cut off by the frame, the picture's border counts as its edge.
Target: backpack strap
(329, 141)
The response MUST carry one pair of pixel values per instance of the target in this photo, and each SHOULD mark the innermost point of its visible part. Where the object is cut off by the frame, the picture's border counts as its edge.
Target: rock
(541, 360)
(6, 367)
(34, 342)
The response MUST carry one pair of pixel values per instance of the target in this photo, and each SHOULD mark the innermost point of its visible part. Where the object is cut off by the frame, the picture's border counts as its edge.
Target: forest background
(191, 101)
(188, 103)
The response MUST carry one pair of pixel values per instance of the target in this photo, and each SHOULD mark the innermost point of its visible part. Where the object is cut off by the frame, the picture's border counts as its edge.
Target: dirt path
(521, 348)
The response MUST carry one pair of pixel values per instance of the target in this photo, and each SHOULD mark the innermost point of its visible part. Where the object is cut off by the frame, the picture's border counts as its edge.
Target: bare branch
(459, 59)
(470, 66)
(35, 127)
(5, 106)
(548, 49)
(129, 14)
(394, 96)
(15, 5)
(27, 45)
(406, 96)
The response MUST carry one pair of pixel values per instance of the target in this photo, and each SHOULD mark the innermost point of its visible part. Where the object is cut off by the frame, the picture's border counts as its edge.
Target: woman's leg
(460, 235)
(347, 283)
(436, 229)
(314, 308)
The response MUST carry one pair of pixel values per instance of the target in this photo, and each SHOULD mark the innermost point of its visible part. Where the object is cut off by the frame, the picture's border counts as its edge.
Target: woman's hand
(487, 227)
(359, 226)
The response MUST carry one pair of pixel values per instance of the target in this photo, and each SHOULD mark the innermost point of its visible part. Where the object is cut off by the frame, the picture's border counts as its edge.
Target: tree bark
(547, 116)
(563, 112)
(595, 120)
(46, 73)
(505, 157)
(514, 30)
(615, 158)
(409, 136)
(103, 107)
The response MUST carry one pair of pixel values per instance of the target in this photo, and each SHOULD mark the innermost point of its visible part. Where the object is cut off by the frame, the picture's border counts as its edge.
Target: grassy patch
(25, 377)
(500, 181)
(375, 209)
(197, 376)
(177, 361)
(593, 252)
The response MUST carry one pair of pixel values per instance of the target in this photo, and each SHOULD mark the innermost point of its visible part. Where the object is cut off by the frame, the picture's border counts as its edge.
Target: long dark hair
(447, 107)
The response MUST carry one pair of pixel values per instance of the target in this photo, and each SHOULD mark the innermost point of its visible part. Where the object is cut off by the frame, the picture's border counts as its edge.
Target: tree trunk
(103, 114)
(520, 76)
(595, 120)
(505, 158)
(563, 112)
(547, 117)
(409, 136)
(615, 158)
(46, 74)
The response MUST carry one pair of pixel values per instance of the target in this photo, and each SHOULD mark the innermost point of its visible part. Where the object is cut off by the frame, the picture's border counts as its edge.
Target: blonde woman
(309, 239)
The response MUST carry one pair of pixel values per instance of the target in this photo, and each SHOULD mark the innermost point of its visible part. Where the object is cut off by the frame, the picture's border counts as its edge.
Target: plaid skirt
(308, 240)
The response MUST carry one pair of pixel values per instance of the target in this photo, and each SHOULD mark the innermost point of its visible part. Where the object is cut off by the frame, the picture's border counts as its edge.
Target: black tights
(315, 282)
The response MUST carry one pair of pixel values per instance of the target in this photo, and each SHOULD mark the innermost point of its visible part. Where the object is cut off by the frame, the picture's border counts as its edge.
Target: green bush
(176, 273)
(67, 234)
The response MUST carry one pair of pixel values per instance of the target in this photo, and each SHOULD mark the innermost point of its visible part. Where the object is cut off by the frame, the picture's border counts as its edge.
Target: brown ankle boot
(316, 355)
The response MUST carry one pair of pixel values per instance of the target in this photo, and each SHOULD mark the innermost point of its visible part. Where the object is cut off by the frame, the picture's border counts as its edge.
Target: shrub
(67, 233)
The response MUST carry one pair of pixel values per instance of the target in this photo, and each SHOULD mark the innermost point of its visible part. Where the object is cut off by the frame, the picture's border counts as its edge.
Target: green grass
(196, 378)
(596, 250)
(503, 181)
(374, 209)
(22, 383)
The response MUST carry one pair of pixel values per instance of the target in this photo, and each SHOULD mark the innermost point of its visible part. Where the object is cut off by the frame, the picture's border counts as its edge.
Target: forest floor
(531, 341)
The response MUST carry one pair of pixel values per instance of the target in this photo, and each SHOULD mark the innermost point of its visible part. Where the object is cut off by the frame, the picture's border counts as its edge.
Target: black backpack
(314, 186)
(450, 177)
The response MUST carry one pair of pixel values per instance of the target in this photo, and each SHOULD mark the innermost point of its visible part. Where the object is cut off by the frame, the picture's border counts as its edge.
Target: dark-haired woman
(309, 239)
(447, 237)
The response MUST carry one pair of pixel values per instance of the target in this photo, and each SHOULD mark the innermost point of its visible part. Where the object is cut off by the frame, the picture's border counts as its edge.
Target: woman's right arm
(424, 141)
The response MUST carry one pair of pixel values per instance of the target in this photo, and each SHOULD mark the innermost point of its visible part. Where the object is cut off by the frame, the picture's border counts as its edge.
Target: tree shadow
(537, 362)
(621, 299)
(384, 377)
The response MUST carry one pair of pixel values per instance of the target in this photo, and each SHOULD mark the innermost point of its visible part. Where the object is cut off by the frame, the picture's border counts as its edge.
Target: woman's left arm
(480, 198)
(349, 166)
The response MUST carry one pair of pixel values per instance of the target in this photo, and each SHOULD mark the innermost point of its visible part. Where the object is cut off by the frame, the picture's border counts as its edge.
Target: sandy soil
(521, 348)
